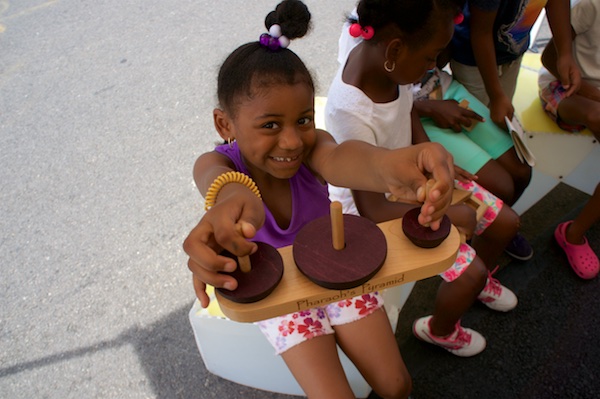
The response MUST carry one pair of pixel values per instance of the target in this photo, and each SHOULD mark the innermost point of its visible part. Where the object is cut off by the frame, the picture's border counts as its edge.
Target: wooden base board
(405, 262)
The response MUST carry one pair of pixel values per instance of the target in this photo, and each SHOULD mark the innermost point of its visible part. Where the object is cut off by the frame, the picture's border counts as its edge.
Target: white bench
(571, 158)
(240, 353)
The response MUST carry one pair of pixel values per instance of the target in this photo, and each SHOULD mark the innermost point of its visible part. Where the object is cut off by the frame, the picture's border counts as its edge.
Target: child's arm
(482, 41)
(377, 208)
(402, 172)
(558, 13)
(235, 217)
(418, 132)
(549, 59)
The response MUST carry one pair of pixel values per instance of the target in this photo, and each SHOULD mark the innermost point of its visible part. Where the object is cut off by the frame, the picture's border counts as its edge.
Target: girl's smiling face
(274, 129)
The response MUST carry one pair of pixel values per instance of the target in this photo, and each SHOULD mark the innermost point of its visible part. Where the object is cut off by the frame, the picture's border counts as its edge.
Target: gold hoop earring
(389, 68)
(230, 142)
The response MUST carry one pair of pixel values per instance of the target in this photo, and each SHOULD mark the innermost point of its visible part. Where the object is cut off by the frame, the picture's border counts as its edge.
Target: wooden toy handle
(244, 262)
(337, 225)
(428, 186)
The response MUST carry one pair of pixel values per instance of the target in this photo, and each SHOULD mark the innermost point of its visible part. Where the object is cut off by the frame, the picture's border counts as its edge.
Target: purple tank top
(310, 201)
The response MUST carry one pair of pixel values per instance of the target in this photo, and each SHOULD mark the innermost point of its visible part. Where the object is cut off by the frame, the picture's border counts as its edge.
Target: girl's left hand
(447, 114)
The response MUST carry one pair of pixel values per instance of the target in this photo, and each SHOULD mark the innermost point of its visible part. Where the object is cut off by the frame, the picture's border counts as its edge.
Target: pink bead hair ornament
(274, 40)
(358, 31)
(459, 18)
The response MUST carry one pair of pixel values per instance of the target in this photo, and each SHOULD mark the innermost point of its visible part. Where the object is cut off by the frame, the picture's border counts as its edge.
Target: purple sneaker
(519, 248)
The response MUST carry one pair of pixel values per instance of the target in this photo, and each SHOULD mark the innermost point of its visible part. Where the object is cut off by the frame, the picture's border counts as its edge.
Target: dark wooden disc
(422, 236)
(261, 280)
(362, 257)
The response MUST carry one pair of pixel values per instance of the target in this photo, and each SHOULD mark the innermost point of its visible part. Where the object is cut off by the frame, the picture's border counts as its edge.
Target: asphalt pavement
(104, 106)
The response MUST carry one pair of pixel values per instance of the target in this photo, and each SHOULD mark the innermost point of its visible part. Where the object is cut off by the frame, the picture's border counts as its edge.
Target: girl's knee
(464, 218)
(398, 387)
(522, 175)
(593, 122)
(474, 277)
(507, 222)
(477, 272)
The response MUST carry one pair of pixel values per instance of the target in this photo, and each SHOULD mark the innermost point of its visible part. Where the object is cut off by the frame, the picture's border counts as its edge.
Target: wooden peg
(244, 262)
(465, 104)
(337, 225)
(428, 187)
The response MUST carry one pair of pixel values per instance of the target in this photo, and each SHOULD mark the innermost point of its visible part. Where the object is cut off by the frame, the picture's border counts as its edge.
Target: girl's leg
(492, 241)
(590, 214)
(316, 366)
(497, 180)
(570, 236)
(462, 284)
(470, 77)
(456, 297)
(508, 74)
(371, 345)
(581, 110)
(519, 172)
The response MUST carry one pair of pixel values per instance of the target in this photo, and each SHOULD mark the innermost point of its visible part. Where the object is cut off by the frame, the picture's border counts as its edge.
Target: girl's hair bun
(293, 17)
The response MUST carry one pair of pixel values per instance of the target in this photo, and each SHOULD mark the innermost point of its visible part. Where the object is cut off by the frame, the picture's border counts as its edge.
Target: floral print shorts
(551, 96)
(284, 332)
(494, 204)
(465, 256)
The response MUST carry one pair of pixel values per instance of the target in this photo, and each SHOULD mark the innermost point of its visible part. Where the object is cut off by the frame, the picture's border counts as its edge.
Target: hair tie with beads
(274, 40)
(358, 31)
(459, 18)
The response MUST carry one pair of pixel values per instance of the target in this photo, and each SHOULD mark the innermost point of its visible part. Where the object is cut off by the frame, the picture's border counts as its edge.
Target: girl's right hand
(500, 107)
(227, 225)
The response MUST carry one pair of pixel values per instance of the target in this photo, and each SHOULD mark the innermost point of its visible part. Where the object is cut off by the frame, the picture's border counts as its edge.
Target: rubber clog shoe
(582, 258)
(519, 248)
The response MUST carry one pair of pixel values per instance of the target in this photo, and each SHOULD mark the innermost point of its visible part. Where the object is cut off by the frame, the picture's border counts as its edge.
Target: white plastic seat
(240, 353)
(571, 158)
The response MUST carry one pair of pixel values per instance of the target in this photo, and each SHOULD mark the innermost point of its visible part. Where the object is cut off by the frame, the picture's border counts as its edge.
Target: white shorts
(284, 332)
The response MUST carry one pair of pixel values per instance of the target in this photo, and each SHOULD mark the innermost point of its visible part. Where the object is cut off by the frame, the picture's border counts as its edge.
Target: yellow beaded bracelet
(226, 178)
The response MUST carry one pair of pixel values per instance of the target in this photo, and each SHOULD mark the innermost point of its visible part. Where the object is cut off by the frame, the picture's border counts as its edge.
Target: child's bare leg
(579, 110)
(455, 298)
(371, 345)
(520, 173)
(490, 244)
(316, 366)
(497, 180)
(589, 215)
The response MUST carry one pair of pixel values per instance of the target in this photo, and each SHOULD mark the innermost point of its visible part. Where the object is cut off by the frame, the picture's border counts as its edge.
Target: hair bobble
(459, 18)
(358, 31)
(274, 40)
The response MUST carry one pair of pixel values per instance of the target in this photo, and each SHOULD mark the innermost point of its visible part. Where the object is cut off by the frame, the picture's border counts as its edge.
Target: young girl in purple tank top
(266, 114)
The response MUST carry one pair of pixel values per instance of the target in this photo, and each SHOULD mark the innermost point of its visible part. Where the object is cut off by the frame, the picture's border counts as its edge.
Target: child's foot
(582, 258)
(519, 248)
(496, 296)
(463, 342)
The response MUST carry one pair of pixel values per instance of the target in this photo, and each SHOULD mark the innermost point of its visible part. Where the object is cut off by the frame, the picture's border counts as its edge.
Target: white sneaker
(496, 296)
(463, 342)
